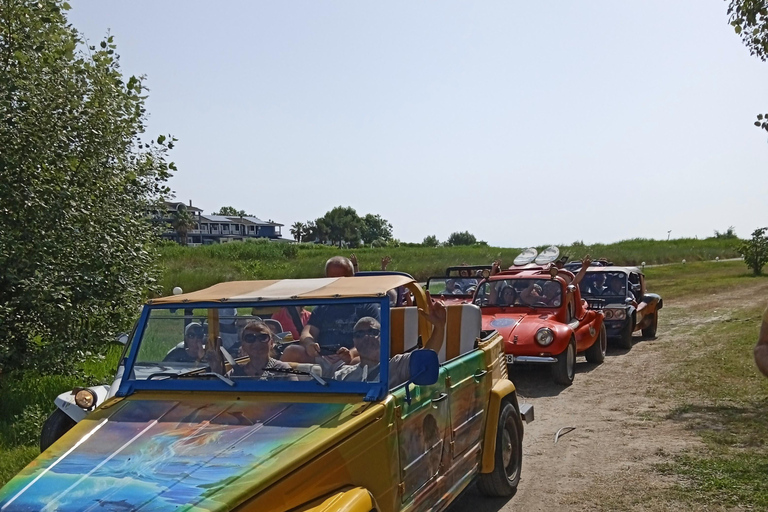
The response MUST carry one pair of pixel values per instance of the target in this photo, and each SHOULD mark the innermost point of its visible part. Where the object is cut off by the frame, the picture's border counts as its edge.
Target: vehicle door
(469, 386)
(634, 285)
(423, 431)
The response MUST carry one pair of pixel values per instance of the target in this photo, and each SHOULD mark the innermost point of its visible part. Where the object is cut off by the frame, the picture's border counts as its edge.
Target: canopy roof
(285, 289)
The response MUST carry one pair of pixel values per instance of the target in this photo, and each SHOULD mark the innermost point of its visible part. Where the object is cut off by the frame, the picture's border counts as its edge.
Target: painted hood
(153, 455)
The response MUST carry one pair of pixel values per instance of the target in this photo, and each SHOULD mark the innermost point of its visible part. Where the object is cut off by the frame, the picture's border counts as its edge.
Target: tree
(430, 241)
(182, 222)
(231, 211)
(727, 234)
(299, 231)
(374, 227)
(77, 251)
(749, 18)
(463, 238)
(341, 224)
(755, 251)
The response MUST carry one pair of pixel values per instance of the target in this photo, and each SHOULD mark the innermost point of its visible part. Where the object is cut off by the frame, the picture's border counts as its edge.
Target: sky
(524, 123)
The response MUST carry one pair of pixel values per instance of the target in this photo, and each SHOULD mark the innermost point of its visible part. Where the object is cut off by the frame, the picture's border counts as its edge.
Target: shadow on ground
(472, 499)
(739, 425)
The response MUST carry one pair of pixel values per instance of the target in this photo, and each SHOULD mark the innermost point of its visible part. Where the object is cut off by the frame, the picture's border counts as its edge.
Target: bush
(755, 251)
(430, 241)
(462, 238)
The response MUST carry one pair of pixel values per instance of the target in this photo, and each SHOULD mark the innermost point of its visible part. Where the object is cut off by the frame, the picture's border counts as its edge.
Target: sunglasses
(253, 337)
(366, 332)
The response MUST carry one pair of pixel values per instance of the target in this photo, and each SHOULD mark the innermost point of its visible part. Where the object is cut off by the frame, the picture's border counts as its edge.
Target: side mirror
(424, 367)
(570, 288)
(122, 338)
(553, 271)
(629, 300)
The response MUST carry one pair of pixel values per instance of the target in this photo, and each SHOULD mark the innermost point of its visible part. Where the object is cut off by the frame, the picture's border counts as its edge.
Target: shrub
(755, 251)
(461, 238)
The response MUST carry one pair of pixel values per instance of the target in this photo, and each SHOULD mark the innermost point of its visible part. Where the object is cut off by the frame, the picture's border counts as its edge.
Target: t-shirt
(399, 371)
(238, 370)
(178, 355)
(336, 322)
(286, 320)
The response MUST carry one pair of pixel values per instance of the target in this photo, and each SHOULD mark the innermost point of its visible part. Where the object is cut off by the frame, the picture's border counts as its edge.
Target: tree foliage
(76, 246)
(729, 233)
(231, 211)
(755, 251)
(461, 238)
(299, 230)
(374, 227)
(182, 222)
(430, 241)
(749, 19)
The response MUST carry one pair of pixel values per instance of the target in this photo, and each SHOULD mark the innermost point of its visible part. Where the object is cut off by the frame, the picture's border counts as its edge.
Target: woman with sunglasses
(256, 342)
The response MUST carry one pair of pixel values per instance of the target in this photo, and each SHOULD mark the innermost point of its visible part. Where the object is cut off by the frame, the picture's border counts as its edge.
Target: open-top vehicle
(627, 305)
(458, 284)
(199, 427)
(542, 318)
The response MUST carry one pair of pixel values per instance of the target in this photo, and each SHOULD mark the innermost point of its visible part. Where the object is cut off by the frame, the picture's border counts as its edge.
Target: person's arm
(385, 261)
(355, 266)
(309, 337)
(761, 349)
(585, 263)
(437, 317)
(495, 267)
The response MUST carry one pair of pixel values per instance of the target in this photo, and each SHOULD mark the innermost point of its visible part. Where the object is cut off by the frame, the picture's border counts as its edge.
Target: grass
(193, 268)
(722, 399)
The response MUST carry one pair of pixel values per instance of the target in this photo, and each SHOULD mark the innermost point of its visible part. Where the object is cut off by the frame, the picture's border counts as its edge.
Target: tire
(508, 459)
(57, 424)
(596, 353)
(625, 339)
(564, 369)
(650, 331)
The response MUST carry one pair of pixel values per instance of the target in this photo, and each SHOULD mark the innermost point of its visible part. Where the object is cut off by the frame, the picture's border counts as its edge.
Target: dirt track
(606, 462)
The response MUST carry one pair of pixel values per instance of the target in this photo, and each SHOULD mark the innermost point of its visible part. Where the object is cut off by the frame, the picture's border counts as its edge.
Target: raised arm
(585, 263)
(437, 317)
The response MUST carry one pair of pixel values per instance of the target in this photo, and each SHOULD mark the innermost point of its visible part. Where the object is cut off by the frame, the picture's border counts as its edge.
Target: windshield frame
(608, 274)
(371, 390)
(521, 305)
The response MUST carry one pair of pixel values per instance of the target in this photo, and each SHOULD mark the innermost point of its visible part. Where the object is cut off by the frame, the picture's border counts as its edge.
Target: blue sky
(522, 123)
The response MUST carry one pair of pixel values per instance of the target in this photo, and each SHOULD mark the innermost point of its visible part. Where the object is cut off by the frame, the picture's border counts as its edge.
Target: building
(210, 229)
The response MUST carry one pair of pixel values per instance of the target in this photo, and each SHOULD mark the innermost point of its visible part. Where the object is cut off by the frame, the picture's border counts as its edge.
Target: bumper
(614, 328)
(513, 359)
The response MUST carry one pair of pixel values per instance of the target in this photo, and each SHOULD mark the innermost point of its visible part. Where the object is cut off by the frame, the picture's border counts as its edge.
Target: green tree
(77, 248)
(755, 251)
(341, 224)
(374, 227)
(461, 238)
(727, 234)
(749, 18)
(231, 211)
(430, 241)
(299, 231)
(182, 222)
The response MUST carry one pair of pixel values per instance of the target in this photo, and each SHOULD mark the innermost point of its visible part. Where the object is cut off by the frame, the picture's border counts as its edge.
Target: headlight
(85, 399)
(544, 336)
(615, 314)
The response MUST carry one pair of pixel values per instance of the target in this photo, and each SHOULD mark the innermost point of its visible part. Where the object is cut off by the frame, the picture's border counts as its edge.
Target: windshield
(604, 284)
(452, 285)
(258, 343)
(520, 292)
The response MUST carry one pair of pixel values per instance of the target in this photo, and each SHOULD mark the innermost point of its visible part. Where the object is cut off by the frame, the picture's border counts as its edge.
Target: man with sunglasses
(367, 338)
(194, 346)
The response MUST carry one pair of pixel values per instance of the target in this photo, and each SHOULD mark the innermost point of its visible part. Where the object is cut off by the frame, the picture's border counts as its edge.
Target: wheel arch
(503, 391)
(347, 499)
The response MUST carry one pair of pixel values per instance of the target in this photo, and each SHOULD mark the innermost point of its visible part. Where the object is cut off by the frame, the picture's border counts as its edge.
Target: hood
(522, 325)
(154, 455)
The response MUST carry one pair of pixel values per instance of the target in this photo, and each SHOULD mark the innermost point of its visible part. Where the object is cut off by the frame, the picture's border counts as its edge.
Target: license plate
(510, 359)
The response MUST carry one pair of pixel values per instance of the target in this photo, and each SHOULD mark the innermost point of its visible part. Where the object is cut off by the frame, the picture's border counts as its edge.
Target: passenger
(289, 317)
(598, 285)
(256, 342)
(367, 336)
(507, 296)
(451, 288)
(194, 346)
(329, 328)
(228, 328)
(616, 286)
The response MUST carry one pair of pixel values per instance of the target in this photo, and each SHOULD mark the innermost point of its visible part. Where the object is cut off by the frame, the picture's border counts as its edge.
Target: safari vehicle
(218, 433)
(627, 305)
(542, 318)
(459, 283)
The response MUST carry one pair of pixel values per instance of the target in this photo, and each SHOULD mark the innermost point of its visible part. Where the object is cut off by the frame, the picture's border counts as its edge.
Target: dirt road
(605, 463)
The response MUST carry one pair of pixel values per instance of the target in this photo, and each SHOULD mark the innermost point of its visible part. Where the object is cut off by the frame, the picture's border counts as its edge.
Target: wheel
(57, 424)
(625, 338)
(650, 331)
(508, 459)
(596, 353)
(565, 367)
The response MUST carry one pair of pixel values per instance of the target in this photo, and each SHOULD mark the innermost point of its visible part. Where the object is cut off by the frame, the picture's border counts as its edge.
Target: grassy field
(193, 268)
